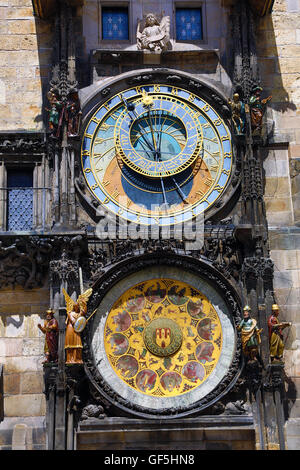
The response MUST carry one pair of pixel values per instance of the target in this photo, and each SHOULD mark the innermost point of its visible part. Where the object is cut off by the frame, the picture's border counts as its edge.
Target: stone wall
(279, 56)
(201, 58)
(21, 354)
(25, 58)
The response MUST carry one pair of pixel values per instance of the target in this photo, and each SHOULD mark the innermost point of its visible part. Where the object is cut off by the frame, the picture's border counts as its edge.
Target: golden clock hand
(152, 132)
(181, 193)
(131, 108)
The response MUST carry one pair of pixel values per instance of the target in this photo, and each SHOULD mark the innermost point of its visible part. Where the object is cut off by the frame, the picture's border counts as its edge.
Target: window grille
(189, 24)
(115, 23)
(19, 200)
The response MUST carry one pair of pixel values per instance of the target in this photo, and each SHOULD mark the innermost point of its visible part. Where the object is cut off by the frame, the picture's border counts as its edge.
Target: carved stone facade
(249, 253)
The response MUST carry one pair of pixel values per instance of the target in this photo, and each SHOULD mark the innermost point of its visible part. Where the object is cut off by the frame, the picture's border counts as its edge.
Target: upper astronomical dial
(156, 155)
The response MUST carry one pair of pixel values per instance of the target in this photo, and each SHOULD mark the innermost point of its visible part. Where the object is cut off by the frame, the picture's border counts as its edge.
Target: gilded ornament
(75, 311)
(160, 336)
(163, 337)
(276, 341)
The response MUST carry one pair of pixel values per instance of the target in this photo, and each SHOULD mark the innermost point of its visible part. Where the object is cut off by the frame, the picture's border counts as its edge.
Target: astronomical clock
(163, 337)
(156, 155)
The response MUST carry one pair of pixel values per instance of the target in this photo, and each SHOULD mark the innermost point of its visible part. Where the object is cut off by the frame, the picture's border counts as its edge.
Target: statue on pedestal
(238, 114)
(75, 310)
(55, 111)
(275, 335)
(257, 108)
(50, 329)
(250, 334)
(155, 35)
(73, 114)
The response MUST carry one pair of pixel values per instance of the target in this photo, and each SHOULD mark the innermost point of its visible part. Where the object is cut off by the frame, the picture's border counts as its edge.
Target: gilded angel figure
(73, 343)
(155, 35)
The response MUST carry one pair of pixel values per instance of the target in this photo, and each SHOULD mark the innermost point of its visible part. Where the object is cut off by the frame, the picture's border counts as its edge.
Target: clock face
(162, 338)
(156, 155)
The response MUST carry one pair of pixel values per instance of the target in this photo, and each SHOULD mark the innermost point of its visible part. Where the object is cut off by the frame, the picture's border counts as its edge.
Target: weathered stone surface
(285, 260)
(31, 382)
(11, 384)
(26, 42)
(24, 405)
(279, 218)
(280, 240)
(22, 364)
(14, 326)
(33, 346)
(19, 437)
(10, 347)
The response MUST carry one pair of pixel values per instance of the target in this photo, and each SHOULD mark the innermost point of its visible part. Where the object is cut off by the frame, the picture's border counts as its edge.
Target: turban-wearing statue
(155, 35)
(275, 335)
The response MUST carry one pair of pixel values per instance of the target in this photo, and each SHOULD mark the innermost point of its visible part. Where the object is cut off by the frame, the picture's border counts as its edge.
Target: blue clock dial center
(158, 136)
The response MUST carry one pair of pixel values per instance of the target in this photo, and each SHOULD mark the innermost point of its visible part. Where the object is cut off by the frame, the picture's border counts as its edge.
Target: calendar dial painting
(163, 338)
(156, 155)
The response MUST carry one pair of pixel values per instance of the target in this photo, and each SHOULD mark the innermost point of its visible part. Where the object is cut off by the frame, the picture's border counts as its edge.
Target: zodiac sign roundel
(163, 338)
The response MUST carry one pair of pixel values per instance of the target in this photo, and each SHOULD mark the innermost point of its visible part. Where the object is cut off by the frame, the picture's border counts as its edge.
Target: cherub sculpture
(73, 343)
(155, 35)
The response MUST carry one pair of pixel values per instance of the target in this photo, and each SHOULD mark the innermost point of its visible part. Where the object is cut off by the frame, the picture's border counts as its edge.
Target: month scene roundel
(163, 338)
(156, 155)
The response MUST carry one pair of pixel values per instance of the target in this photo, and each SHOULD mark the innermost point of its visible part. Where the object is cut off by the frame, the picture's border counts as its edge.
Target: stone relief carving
(153, 35)
(24, 262)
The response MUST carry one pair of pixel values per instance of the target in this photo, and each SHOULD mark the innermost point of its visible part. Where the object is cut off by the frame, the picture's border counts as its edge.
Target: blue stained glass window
(19, 200)
(115, 23)
(188, 24)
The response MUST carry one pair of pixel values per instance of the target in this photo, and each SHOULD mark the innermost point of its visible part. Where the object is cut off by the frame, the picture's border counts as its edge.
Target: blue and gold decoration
(156, 155)
(189, 24)
(163, 337)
